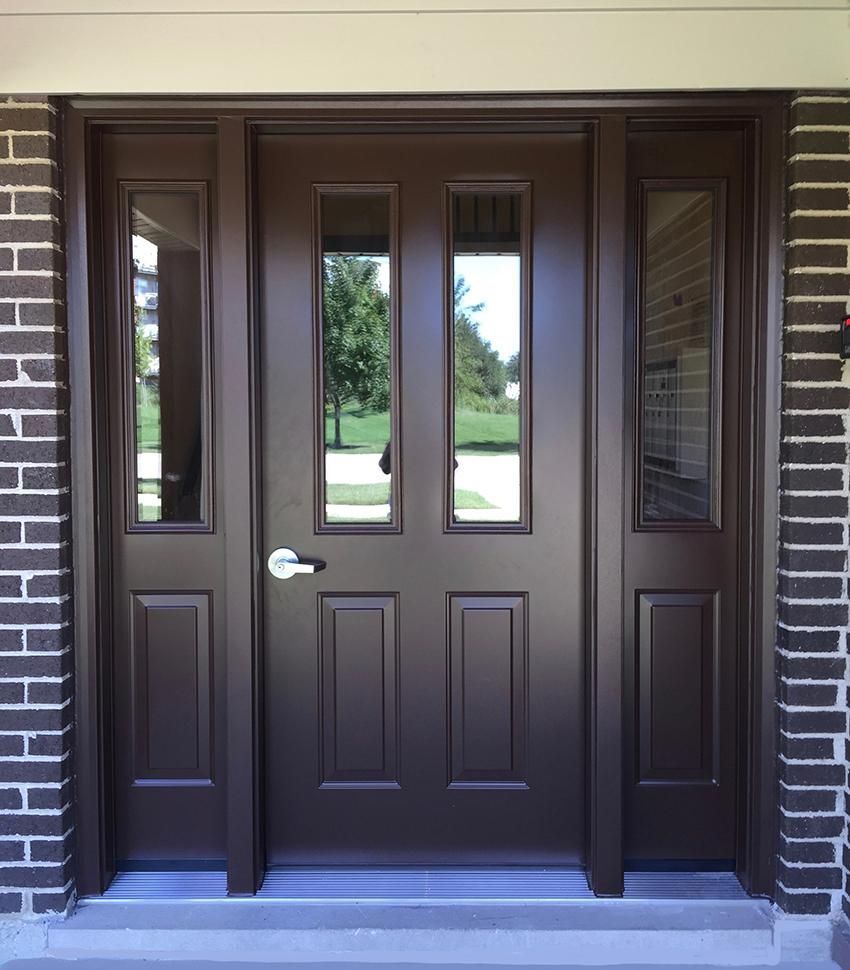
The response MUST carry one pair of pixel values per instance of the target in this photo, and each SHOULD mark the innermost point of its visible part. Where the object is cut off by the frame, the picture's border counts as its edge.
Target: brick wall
(813, 580)
(35, 605)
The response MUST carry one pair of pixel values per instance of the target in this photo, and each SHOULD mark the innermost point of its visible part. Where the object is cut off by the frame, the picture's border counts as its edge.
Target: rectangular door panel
(488, 704)
(359, 647)
(676, 707)
(172, 698)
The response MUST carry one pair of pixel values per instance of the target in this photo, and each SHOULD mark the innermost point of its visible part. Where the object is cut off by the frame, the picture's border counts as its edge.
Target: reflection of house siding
(146, 297)
(677, 327)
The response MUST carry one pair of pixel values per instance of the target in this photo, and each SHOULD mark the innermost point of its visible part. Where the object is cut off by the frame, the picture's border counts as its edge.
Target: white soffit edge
(429, 46)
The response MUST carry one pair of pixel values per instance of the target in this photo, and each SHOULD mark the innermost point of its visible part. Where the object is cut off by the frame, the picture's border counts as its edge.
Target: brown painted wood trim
(94, 817)
(758, 815)
(480, 109)
(239, 411)
(606, 492)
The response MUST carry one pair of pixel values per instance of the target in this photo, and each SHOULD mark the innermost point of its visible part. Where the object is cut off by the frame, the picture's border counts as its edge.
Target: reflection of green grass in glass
(476, 432)
(148, 436)
(148, 512)
(373, 494)
(466, 499)
(379, 494)
(361, 430)
(479, 433)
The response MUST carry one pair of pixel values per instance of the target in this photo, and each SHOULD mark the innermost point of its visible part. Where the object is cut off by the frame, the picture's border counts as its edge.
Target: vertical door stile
(605, 523)
(234, 372)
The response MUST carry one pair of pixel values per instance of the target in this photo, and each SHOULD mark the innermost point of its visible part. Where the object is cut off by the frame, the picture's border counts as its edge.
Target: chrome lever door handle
(284, 564)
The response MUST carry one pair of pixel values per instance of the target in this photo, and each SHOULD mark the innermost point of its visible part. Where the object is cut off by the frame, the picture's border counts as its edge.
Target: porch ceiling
(385, 46)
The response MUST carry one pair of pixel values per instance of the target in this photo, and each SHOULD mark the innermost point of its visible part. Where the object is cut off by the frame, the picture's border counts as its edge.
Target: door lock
(284, 564)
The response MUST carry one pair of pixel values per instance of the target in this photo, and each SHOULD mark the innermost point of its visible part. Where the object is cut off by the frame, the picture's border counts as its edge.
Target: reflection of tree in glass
(480, 374)
(355, 336)
(143, 345)
(148, 432)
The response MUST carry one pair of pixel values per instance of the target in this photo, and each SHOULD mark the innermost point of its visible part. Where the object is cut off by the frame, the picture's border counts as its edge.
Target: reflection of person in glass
(385, 462)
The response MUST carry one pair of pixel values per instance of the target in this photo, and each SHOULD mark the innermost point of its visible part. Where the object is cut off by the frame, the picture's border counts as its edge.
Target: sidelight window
(679, 355)
(168, 434)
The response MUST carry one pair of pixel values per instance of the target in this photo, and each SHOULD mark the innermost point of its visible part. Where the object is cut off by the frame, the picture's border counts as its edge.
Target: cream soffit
(429, 46)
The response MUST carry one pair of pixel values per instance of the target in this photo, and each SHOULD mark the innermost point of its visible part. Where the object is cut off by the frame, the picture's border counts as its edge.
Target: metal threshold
(400, 885)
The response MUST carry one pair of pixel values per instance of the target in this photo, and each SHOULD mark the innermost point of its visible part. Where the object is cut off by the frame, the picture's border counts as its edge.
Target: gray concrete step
(594, 932)
(48, 963)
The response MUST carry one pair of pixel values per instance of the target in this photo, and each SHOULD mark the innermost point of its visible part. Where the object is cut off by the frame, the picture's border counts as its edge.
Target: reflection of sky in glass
(383, 271)
(495, 282)
(145, 252)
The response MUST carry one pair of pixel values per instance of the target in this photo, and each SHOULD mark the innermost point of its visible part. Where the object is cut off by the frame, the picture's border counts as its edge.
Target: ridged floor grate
(426, 885)
(411, 885)
(683, 885)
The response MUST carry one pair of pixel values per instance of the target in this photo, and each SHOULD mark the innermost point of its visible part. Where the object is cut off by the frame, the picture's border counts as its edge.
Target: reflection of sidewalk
(149, 464)
(359, 513)
(356, 469)
(494, 477)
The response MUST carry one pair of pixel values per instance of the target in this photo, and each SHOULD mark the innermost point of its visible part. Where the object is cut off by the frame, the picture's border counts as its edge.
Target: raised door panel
(487, 686)
(172, 696)
(677, 657)
(359, 723)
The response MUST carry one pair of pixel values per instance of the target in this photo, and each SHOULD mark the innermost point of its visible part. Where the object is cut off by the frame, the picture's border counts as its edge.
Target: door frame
(606, 119)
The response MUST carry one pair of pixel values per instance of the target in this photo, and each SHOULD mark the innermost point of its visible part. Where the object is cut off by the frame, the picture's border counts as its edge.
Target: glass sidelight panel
(488, 355)
(359, 475)
(680, 334)
(168, 359)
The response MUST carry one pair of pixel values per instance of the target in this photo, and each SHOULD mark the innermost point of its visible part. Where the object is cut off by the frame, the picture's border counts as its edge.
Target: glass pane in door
(488, 347)
(360, 451)
(167, 352)
(679, 331)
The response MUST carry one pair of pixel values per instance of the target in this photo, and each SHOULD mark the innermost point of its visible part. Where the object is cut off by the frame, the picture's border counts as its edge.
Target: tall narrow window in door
(166, 342)
(680, 353)
(488, 356)
(358, 482)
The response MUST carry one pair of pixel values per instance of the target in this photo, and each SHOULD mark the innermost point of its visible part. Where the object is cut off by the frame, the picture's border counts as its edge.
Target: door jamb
(760, 116)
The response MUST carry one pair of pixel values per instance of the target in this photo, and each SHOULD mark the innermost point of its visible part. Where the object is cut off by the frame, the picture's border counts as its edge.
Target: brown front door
(422, 310)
